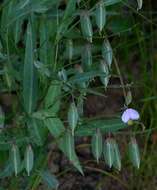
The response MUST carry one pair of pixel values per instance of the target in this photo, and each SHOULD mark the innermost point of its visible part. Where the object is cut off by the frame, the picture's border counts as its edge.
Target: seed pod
(69, 49)
(79, 69)
(15, 158)
(87, 57)
(73, 117)
(117, 156)
(104, 69)
(29, 159)
(100, 14)
(80, 104)
(62, 75)
(139, 3)
(96, 145)
(134, 153)
(109, 152)
(86, 26)
(107, 52)
(128, 98)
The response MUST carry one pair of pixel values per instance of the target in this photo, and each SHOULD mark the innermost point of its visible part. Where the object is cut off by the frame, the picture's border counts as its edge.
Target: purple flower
(130, 115)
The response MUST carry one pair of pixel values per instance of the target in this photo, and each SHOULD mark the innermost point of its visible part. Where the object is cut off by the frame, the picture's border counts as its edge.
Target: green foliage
(51, 54)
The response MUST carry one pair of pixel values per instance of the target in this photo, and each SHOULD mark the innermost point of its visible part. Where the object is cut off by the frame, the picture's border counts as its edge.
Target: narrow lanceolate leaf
(2, 118)
(18, 30)
(29, 159)
(15, 159)
(134, 153)
(97, 145)
(69, 49)
(100, 15)
(86, 26)
(109, 152)
(52, 99)
(49, 179)
(117, 156)
(107, 52)
(73, 117)
(139, 2)
(104, 69)
(66, 144)
(43, 37)
(55, 126)
(70, 8)
(36, 130)
(29, 77)
(87, 57)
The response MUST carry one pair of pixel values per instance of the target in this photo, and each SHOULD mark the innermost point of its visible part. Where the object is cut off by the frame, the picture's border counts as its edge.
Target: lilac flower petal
(134, 115)
(130, 114)
(125, 116)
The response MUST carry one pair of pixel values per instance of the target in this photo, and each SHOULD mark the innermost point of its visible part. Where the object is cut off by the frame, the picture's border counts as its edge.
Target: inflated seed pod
(62, 75)
(80, 105)
(139, 3)
(109, 152)
(134, 153)
(69, 49)
(104, 69)
(96, 144)
(73, 117)
(100, 15)
(86, 26)
(15, 158)
(107, 52)
(117, 156)
(29, 159)
(79, 69)
(87, 57)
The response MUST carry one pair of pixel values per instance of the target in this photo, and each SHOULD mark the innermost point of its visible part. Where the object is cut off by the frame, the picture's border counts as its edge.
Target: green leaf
(29, 159)
(49, 179)
(85, 77)
(15, 158)
(44, 39)
(52, 99)
(18, 30)
(67, 19)
(134, 153)
(109, 152)
(36, 130)
(111, 2)
(96, 145)
(100, 15)
(55, 126)
(87, 128)
(73, 117)
(7, 171)
(86, 26)
(29, 76)
(70, 9)
(66, 144)
(64, 139)
(2, 118)
(117, 156)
